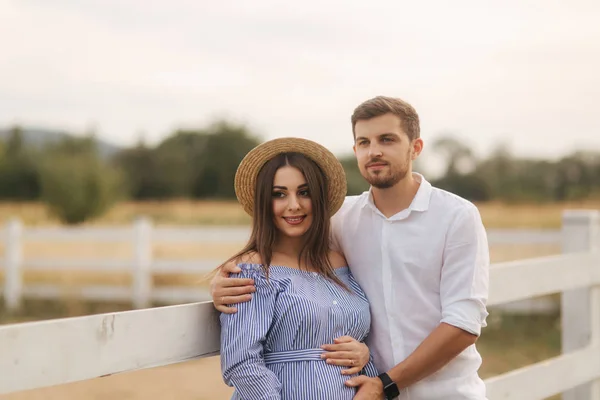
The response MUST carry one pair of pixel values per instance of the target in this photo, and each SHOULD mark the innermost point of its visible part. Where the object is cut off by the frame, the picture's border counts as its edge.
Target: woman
(305, 295)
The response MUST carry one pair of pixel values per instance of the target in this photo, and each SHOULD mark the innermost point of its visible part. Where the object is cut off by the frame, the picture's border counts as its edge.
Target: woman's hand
(347, 352)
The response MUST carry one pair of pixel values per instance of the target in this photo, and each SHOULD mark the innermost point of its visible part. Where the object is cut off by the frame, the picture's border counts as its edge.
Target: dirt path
(193, 380)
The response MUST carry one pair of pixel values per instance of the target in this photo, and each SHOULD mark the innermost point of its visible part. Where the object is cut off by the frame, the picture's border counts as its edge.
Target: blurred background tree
(76, 184)
(19, 177)
(80, 177)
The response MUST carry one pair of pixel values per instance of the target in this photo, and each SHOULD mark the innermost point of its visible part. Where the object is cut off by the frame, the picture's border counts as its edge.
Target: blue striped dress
(270, 348)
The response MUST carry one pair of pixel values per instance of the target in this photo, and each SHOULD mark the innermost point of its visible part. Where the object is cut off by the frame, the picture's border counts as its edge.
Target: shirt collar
(420, 201)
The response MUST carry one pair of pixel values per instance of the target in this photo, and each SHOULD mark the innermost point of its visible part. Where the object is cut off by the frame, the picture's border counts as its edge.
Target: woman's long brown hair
(316, 242)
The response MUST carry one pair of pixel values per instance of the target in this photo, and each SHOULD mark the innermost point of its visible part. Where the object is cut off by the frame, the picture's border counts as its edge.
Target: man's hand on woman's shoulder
(225, 290)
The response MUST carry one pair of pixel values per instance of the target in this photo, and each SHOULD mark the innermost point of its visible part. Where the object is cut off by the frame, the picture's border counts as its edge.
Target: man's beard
(387, 181)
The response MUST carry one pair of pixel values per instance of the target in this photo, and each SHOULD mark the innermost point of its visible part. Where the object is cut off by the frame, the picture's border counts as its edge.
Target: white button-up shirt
(425, 265)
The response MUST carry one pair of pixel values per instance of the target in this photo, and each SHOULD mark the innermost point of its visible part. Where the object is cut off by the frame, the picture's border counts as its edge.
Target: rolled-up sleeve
(243, 335)
(465, 273)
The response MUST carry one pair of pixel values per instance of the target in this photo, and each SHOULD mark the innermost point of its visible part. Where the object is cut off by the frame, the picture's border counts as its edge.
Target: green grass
(514, 341)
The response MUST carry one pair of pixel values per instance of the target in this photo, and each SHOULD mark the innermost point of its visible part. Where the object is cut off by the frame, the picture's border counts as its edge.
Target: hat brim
(250, 166)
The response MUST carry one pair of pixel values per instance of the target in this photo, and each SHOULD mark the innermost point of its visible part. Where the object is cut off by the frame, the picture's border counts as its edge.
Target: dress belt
(293, 355)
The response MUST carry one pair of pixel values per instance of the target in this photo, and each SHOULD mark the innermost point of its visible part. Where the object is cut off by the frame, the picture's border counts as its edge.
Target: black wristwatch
(390, 389)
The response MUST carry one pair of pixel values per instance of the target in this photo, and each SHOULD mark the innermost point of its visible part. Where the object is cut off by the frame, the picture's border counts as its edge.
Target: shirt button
(315, 274)
(335, 302)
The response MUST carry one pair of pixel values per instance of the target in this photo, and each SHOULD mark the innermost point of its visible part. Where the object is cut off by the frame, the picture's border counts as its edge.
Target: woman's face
(292, 206)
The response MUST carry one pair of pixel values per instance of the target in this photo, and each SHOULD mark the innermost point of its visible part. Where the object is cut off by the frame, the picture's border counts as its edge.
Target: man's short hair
(381, 105)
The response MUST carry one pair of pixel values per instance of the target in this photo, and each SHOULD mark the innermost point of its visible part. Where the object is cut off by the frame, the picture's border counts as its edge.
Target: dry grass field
(508, 342)
(188, 212)
(176, 212)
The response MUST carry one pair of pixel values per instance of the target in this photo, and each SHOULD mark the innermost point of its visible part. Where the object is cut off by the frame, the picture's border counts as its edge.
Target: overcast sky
(524, 72)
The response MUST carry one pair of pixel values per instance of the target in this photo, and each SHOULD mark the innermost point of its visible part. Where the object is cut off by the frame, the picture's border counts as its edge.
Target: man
(421, 256)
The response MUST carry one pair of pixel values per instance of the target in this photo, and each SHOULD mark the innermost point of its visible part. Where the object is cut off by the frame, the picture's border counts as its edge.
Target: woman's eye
(278, 194)
(304, 193)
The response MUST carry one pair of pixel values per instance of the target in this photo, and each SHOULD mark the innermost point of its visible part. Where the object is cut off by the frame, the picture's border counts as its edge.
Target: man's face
(383, 150)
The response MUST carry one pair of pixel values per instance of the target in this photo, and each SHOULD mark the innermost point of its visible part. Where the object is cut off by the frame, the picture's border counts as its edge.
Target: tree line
(505, 177)
(78, 184)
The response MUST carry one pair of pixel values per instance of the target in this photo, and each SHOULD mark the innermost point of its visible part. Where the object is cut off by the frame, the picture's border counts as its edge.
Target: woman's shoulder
(337, 259)
(249, 263)
(251, 257)
(251, 266)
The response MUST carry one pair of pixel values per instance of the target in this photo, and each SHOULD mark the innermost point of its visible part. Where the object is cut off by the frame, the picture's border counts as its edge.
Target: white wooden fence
(45, 353)
(142, 236)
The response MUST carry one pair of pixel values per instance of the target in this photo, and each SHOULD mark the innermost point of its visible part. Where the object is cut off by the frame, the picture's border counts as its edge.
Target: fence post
(595, 310)
(142, 277)
(579, 307)
(13, 285)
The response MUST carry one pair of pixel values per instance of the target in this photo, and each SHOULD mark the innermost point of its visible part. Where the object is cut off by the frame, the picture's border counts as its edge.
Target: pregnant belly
(312, 380)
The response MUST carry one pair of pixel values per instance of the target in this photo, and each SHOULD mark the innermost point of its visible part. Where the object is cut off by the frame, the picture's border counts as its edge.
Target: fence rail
(141, 236)
(81, 348)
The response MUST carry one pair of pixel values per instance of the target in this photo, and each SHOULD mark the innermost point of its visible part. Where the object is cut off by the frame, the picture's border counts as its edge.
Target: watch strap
(390, 389)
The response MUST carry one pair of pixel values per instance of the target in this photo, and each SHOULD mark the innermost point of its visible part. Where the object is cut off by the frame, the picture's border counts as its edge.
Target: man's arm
(438, 349)
(463, 293)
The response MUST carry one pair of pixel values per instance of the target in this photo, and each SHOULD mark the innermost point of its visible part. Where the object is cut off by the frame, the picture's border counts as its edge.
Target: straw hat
(247, 172)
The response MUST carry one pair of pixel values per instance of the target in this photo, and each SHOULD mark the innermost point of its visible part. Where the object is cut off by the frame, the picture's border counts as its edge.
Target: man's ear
(417, 148)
